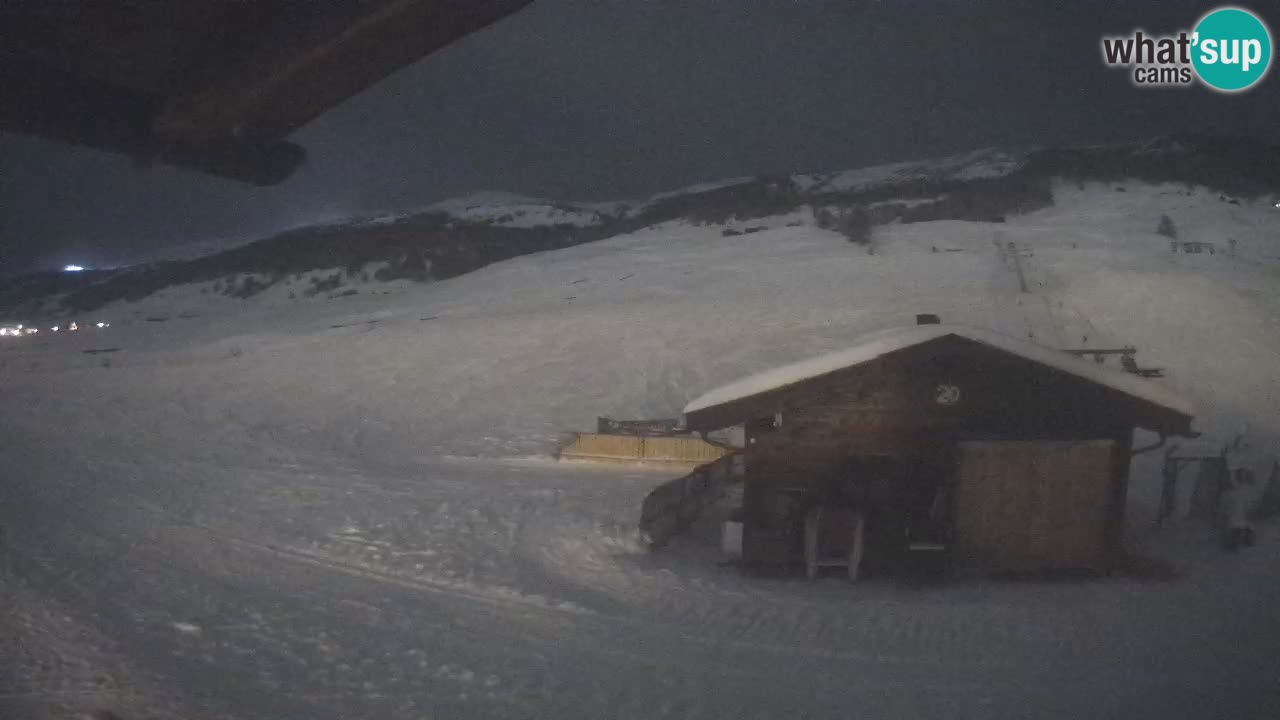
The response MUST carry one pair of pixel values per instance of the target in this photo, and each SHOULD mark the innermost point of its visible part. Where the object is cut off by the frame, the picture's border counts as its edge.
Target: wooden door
(1028, 506)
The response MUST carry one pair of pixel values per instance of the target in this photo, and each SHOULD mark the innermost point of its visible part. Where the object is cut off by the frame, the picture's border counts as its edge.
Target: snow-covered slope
(517, 211)
(977, 165)
(462, 234)
(639, 324)
(332, 504)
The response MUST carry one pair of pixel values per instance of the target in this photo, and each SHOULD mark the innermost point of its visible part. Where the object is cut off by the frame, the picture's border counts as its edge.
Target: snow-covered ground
(517, 211)
(976, 165)
(341, 507)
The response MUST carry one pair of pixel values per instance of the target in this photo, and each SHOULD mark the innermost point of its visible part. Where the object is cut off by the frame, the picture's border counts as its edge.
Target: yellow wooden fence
(629, 448)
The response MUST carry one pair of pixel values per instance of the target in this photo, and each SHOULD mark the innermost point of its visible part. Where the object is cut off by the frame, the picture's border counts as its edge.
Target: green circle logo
(1232, 49)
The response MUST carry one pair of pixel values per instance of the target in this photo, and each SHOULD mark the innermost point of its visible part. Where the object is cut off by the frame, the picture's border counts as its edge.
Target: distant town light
(72, 268)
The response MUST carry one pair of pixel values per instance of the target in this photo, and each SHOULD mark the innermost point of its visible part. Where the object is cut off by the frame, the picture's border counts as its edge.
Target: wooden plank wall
(1030, 506)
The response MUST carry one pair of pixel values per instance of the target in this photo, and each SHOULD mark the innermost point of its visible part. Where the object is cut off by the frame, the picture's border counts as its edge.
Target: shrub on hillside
(854, 223)
(409, 266)
(1166, 228)
(333, 282)
(247, 288)
(856, 226)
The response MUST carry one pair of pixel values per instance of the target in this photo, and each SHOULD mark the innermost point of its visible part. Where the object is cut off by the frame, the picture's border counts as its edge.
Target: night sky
(572, 99)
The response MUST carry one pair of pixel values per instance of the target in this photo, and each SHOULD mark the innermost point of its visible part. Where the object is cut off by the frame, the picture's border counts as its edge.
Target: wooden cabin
(1010, 455)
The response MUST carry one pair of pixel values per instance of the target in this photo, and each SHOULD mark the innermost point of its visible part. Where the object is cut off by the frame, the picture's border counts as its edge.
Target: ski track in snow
(353, 522)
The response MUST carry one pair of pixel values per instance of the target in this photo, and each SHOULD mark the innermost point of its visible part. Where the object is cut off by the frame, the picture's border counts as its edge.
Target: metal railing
(671, 507)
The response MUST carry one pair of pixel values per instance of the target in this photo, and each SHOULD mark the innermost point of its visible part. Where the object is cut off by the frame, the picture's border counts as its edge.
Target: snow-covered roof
(877, 344)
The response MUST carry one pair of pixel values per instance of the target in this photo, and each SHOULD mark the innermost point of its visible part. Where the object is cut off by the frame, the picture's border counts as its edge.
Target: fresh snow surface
(350, 497)
(517, 211)
(976, 165)
(505, 209)
(882, 343)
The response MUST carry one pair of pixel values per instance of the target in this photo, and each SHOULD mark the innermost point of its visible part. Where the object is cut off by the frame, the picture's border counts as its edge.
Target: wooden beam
(261, 163)
(47, 102)
(284, 83)
(222, 96)
(55, 105)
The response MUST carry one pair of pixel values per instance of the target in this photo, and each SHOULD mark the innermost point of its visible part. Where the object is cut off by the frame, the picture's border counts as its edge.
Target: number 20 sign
(947, 394)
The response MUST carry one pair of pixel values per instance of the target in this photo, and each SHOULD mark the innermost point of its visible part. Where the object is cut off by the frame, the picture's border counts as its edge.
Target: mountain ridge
(459, 235)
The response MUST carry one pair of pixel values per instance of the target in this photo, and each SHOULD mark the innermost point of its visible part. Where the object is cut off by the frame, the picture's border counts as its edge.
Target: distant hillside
(460, 235)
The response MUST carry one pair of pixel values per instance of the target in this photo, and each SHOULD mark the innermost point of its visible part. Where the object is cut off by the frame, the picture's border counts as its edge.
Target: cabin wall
(910, 412)
(1083, 495)
(1033, 506)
